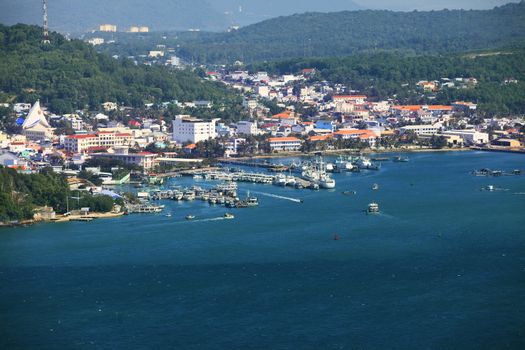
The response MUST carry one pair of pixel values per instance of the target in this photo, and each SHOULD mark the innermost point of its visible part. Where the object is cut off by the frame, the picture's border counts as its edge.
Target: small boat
(489, 188)
(229, 216)
(168, 215)
(336, 237)
(375, 186)
(190, 217)
(373, 208)
(400, 159)
(347, 193)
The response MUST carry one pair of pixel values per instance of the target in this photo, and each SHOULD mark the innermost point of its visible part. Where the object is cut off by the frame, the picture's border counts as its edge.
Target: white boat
(190, 217)
(363, 163)
(326, 181)
(280, 180)
(317, 175)
(229, 216)
(343, 164)
(373, 208)
(375, 186)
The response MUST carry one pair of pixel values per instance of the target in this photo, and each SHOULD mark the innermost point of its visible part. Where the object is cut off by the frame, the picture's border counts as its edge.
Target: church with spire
(35, 126)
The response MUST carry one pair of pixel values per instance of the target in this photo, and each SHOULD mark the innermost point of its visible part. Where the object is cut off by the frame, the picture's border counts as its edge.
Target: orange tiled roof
(283, 139)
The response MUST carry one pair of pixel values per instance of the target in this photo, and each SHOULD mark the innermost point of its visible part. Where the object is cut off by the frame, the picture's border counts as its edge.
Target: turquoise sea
(442, 267)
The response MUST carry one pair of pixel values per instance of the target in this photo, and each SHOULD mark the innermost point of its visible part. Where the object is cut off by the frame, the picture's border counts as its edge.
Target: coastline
(62, 218)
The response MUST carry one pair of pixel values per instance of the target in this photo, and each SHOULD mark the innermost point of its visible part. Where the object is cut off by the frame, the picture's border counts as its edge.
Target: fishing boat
(229, 216)
(373, 208)
(280, 180)
(343, 164)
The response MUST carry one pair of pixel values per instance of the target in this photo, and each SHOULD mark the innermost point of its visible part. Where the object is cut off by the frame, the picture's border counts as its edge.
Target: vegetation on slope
(67, 75)
(350, 32)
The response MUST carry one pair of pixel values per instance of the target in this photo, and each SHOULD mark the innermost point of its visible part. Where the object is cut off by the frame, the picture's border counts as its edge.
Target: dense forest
(67, 75)
(384, 75)
(349, 32)
(21, 193)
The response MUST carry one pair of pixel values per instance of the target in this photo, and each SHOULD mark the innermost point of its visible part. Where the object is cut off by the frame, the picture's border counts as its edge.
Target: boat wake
(519, 193)
(210, 219)
(279, 197)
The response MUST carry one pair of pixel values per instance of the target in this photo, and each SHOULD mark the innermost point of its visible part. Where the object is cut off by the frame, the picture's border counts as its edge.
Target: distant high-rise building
(107, 28)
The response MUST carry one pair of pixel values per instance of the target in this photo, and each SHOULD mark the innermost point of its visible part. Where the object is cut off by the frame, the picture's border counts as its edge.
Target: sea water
(441, 267)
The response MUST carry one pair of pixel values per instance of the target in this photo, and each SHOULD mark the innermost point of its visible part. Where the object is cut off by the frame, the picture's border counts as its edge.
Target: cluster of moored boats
(222, 194)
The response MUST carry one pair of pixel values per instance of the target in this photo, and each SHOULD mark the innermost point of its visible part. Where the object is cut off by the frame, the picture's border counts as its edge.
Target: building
(96, 41)
(189, 129)
(135, 29)
(107, 28)
(511, 143)
(364, 135)
(419, 129)
(470, 137)
(101, 140)
(245, 127)
(145, 160)
(284, 144)
(155, 54)
(35, 126)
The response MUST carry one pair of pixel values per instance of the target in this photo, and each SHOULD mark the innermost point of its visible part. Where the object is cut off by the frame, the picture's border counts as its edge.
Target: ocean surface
(442, 267)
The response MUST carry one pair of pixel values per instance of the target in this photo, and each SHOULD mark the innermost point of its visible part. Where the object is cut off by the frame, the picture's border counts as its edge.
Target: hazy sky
(432, 4)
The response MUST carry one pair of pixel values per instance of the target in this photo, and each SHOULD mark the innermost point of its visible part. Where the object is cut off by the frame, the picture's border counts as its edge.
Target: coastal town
(96, 149)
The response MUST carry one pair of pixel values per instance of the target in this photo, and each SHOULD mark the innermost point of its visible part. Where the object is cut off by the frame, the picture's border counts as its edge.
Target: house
(284, 144)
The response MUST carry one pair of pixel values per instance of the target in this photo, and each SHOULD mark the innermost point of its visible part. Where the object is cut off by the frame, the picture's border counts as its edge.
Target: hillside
(67, 75)
(385, 75)
(350, 32)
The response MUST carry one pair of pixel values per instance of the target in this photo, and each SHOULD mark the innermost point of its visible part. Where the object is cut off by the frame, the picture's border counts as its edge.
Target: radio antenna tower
(45, 33)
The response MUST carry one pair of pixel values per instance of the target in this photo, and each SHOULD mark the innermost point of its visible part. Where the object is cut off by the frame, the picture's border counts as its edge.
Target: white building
(470, 137)
(35, 126)
(189, 129)
(245, 127)
(419, 129)
(284, 143)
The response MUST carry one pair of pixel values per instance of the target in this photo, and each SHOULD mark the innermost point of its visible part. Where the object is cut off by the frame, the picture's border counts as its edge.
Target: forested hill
(349, 32)
(386, 75)
(67, 75)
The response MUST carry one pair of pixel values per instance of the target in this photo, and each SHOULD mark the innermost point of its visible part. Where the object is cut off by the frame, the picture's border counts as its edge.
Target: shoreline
(62, 218)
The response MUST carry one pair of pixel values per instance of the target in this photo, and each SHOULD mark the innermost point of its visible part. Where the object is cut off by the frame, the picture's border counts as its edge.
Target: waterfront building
(364, 135)
(284, 143)
(100, 140)
(189, 129)
(470, 137)
(145, 160)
